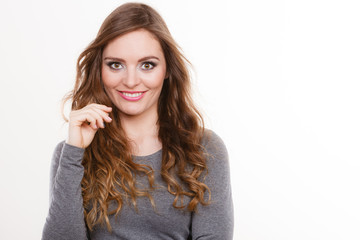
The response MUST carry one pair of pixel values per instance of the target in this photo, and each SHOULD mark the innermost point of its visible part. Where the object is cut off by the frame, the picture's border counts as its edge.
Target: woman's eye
(147, 66)
(115, 65)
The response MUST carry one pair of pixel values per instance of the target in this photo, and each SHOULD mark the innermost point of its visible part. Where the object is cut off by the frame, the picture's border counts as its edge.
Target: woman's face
(133, 72)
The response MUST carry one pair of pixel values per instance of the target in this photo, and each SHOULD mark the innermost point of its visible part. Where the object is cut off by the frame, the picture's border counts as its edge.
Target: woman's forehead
(136, 44)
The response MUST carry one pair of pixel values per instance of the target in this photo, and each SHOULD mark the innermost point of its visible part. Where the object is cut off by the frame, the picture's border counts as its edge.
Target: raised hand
(85, 122)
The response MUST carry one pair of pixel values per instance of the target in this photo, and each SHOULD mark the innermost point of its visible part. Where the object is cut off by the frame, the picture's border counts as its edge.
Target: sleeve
(215, 221)
(65, 219)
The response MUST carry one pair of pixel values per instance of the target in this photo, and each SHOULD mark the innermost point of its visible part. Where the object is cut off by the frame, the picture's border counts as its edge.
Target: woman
(137, 163)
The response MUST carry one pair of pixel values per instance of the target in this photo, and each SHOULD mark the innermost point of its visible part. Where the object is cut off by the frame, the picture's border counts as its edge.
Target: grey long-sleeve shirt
(66, 218)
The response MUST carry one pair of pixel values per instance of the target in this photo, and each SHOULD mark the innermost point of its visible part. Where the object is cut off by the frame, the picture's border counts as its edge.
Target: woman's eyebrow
(114, 59)
(148, 57)
(122, 60)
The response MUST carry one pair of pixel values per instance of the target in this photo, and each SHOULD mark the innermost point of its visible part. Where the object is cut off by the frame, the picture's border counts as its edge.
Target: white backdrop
(277, 80)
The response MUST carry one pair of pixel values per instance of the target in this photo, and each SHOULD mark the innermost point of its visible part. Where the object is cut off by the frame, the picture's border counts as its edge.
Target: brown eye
(115, 65)
(147, 66)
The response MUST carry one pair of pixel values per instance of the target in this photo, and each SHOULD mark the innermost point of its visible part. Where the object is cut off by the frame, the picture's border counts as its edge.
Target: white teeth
(132, 95)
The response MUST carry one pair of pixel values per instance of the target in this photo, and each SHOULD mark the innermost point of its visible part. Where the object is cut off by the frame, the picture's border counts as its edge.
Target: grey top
(65, 219)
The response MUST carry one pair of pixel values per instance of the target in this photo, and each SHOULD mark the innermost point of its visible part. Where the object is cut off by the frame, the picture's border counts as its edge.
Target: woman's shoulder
(217, 160)
(210, 138)
(213, 144)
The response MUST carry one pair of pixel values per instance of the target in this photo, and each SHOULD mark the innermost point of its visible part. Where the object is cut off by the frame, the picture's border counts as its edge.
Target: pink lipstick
(132, 95)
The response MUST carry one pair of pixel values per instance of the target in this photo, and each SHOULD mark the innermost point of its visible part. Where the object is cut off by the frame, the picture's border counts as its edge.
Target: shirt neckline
(147, 156)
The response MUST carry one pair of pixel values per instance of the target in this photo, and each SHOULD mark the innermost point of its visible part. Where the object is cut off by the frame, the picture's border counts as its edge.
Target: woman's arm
(215, 221)
(65, 219)
(66, 214)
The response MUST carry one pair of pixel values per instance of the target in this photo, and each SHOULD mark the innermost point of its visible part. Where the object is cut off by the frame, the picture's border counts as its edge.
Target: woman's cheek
(154, 80)
(109, 79)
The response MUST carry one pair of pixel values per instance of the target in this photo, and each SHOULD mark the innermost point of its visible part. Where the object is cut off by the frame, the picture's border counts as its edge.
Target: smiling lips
(132, 96)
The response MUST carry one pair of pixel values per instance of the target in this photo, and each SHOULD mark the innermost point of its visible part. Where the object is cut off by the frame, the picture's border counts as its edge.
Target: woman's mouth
(132, 96)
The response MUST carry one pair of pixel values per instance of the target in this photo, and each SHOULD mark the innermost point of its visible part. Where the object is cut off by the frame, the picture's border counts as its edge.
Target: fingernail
(109, 118)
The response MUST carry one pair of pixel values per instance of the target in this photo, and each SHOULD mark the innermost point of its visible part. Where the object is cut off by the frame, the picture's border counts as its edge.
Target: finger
(79, 117)
(101, 106)
(99, 114)
(90, 120)
(99, 122)
(104, 115)
(100, 110)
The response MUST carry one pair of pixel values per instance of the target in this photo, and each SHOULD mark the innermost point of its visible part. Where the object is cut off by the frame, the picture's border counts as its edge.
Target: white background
(277, 80)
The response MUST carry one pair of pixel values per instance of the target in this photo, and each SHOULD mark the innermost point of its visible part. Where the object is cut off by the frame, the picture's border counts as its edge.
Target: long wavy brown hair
(110, 171)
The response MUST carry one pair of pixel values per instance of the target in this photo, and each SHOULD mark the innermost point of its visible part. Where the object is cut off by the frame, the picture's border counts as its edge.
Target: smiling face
(133, 72)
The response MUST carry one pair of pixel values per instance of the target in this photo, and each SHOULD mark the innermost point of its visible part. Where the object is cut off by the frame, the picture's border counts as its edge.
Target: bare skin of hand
(85, 122)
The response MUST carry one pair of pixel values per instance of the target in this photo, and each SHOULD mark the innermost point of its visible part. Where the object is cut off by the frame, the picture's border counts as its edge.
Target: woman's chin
(131, 112)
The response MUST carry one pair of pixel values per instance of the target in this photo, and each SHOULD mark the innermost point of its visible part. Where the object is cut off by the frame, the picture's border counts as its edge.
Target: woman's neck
(143, 132)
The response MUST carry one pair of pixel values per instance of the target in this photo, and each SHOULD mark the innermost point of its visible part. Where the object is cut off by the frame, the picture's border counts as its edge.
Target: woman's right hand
(84, 123)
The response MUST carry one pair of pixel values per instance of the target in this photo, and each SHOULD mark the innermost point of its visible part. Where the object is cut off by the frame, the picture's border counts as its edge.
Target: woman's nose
(132, 78)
